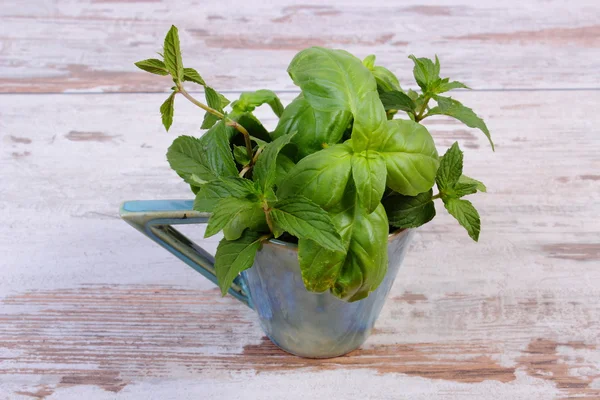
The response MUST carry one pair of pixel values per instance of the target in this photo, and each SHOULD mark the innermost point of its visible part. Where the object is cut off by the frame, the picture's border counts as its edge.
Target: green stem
(437, 196)
(419, 116)
(220, 115)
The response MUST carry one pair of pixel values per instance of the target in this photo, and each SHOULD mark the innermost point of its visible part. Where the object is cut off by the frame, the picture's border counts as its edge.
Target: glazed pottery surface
(316, 325)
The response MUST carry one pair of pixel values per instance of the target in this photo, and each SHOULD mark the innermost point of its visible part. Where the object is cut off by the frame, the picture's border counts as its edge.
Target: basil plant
(348, 163)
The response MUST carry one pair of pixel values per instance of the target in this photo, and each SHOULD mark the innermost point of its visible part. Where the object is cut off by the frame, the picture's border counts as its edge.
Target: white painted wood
(89, 308)
(56, 46)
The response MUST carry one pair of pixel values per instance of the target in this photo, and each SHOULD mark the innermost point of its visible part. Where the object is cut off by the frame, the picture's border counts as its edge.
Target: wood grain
(56, 46)
(90, 308)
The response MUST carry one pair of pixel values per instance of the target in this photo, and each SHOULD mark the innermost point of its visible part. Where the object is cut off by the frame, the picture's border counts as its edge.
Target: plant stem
(419, 116)
(206, 108)
(220, 115)
(437, 196)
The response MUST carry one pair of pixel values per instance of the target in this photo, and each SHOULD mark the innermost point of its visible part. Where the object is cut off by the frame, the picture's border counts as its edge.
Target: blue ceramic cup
(315, 325)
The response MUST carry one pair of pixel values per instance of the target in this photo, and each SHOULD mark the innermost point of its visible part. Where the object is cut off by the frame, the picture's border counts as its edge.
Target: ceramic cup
(315, 325)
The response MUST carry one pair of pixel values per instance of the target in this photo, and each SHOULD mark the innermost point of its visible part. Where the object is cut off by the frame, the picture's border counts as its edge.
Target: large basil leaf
(386, 80)
(322, 176)
(366, 262)
(410, 156)
(334, 80)
(369, 173)
(352, 275)
(314, 128)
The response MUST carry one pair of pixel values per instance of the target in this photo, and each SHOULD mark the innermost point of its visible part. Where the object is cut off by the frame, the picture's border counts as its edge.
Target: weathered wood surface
(89, 308)
(56, 46)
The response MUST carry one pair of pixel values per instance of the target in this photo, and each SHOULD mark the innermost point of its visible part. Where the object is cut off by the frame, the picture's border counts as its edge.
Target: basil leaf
(314, 129)
(453, 108)
(191, 75)
(248, 101)
(266, 165)
(335, 80)
(172, 54)
(212, 192)
(365, 264)
(321, 176)
(465, 179)
(450, 170)
(320, 267)
(369, 173)
(225, 211)
(409, 211)
(426, 72)
(153, 65)
(410, 156)
(235, 256)
(465, 214)
(306, 220)
(397, 100)
(166, 111)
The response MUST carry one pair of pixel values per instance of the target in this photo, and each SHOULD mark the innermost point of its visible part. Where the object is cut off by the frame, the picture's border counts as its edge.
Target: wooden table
(90, 309)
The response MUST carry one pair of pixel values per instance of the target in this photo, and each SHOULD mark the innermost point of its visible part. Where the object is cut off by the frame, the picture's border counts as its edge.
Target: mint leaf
(397, 100)
(235, 256)
(426, 72)
(465, 214)
(306, 220)
(465, 179)
(209, 121)
(248, 101)
(265, 167)
(369, 173)
(241, 155)
(445, 86)
(191, 75)
(224, 100)
(225, 211)
(283, 166)
(172, 54)
(212, 192)
(185, 157)
(213, 99)
(409, 211)
(253, 219)
(450, 169)
(166, 111)
(153, 65)
(453, 108)
(208, 158)
(462, 189)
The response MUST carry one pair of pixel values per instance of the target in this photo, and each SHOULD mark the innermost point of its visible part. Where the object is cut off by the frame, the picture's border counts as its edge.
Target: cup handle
(154, 218)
